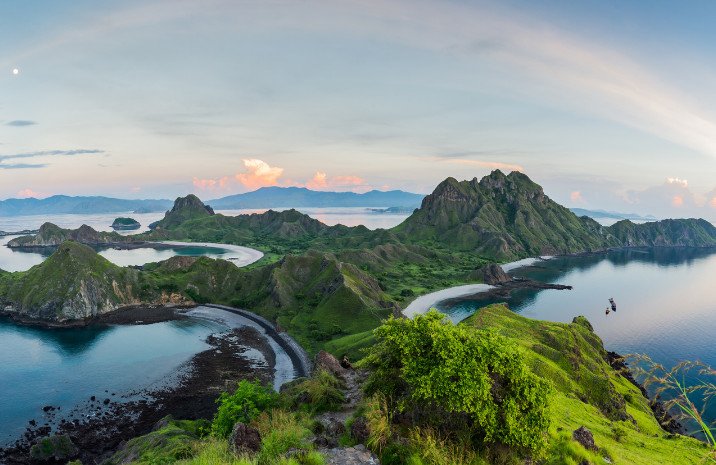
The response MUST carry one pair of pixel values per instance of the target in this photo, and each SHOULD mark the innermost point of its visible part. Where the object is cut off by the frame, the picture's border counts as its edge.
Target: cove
(666, 300)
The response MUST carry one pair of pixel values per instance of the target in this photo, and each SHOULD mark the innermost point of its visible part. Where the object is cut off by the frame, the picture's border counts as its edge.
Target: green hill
(590, 393)
(51, 235)
(74, 283)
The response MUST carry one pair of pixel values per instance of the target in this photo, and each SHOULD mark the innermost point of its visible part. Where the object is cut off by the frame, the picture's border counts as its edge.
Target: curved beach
(238, 255)
(425, 302)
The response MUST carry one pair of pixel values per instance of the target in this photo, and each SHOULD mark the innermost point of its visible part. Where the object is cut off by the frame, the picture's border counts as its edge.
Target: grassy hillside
(500, 216)
(588, 392)
(74, 283)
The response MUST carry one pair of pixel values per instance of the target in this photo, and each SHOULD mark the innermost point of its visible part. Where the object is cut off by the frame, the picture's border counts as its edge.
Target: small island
(125, 224)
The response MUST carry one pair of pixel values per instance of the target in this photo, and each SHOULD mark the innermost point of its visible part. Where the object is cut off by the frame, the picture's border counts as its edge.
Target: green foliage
(245, 404)
(167, 445)
(322, 392)
(281, 431)
(429, 363)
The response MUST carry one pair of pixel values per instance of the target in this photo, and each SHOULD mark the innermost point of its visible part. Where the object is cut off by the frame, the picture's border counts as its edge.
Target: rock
(494, 274)
(59, 448)
(357, 455)
(331, 426)
(326, 361)
(583, 436)
(360, 430)
(48, 408)
(345, 363)
(244, 439)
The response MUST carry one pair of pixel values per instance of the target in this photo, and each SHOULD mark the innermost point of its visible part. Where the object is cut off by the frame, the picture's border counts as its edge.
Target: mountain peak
(185, 208)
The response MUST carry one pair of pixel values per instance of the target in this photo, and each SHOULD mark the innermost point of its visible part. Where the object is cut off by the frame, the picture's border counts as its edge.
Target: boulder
(58, 447)
(583, 436)
(494, 274)
(360, 430)
(326, 361)
(244, 439)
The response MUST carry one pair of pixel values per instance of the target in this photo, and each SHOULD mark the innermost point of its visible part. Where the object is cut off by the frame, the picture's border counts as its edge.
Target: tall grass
(687, 390)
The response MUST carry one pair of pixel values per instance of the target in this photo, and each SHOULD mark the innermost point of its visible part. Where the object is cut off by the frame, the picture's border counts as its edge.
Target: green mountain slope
(74, 283)
(500, 216)
(589, 392)
(51, 235)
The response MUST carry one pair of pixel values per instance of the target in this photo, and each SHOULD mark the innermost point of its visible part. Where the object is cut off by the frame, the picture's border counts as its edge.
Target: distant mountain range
(61, 204)
(599, 214)
(265, 197)
(297, 197)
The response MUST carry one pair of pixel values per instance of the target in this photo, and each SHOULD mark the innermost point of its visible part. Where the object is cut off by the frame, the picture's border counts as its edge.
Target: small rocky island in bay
(125, 224)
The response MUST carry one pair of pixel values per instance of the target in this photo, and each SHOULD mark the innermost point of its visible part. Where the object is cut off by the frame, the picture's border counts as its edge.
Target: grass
(573, 358)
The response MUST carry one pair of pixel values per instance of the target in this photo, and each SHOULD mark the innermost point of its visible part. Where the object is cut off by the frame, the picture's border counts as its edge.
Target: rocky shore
(99, 426)
(104, 421)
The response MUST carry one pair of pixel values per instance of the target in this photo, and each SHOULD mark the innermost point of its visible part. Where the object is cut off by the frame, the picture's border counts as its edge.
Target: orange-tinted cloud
(28, 193)
(713, 202)
(211, 184)
(576, 197)
(320, 181)
(677, 201)
(260, 174)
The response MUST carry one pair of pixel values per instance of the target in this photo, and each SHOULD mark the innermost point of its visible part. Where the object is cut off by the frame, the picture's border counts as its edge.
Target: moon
(15, 71)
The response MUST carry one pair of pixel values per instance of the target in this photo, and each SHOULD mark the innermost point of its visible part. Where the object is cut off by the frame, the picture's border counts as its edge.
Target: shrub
(245, 404)
(318, 394)
(432, 366)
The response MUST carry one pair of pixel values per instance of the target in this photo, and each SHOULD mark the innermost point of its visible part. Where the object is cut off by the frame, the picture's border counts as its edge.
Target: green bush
(245, 404)
(431, 366)
(317, 394)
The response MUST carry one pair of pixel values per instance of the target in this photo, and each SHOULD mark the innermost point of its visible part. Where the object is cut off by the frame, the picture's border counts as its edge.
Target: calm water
(65, 367)
(349, 216)
(666, 301)
(17, 260)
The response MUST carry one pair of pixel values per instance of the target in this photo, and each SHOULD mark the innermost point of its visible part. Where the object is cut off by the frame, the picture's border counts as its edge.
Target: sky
(607, 104)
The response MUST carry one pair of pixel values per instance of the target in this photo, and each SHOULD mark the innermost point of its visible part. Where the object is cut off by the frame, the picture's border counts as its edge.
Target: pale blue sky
(601, 102)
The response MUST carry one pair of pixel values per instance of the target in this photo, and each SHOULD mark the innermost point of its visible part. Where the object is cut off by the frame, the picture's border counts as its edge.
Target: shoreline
(246, 350)
(425, 302)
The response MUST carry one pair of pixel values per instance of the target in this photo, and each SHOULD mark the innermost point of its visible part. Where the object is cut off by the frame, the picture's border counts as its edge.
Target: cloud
(51, 153)
(28, 193)
(259, 174)
(493, 165)
(20, 123)
(678, 181)
(320, 181)
(576, 197)
(21, 166)
(211, 184)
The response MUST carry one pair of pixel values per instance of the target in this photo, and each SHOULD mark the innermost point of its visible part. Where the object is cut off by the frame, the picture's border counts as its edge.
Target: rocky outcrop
(329, 363)
(494, 274)
(583, 436)
(244, 439)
